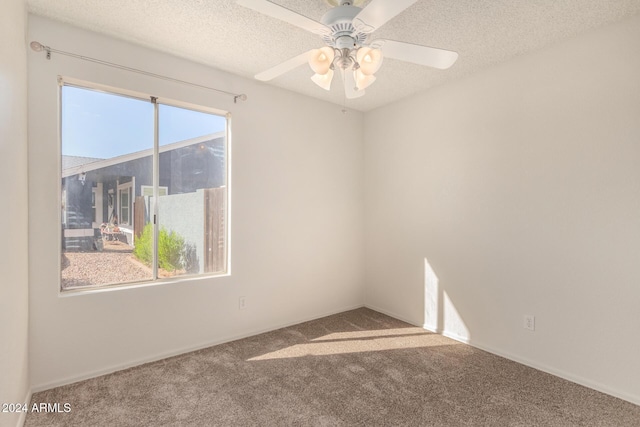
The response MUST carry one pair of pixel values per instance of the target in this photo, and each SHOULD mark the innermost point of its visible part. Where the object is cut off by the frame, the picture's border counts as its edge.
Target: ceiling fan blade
(418, 54)
(350, 89)
(287, 15)
(282, 68)
(377, 13)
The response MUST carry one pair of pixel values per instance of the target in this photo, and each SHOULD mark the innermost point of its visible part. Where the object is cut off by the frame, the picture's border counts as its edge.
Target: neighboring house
(96, 191)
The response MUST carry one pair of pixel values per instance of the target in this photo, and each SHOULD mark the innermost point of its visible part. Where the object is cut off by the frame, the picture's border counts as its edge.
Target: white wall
(297, 195)
(14, 302)
(512, 192)
(520, 187)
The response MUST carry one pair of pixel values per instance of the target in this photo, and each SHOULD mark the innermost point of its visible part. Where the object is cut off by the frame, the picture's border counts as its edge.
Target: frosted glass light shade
(320, 59)
(363, 81)
(369, 59)
(323, 80)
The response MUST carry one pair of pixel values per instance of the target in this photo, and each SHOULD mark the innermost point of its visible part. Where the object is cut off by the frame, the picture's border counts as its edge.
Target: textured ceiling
(226, 36)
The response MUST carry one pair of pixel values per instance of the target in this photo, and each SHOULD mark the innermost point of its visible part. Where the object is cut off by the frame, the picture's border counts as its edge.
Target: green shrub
(170, 248)
(142, 245)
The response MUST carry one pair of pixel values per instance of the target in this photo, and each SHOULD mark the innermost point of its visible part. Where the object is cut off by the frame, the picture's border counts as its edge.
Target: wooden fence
(214, 249)
(138, 217)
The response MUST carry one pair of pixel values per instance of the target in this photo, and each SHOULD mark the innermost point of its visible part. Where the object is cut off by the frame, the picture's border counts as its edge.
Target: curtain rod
(39, 47)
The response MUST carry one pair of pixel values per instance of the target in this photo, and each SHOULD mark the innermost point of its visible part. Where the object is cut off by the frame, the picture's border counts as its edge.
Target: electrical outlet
(242, 303)
(529, 322)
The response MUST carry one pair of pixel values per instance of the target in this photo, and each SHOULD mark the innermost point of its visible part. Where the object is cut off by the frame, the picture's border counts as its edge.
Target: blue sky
(100, 125)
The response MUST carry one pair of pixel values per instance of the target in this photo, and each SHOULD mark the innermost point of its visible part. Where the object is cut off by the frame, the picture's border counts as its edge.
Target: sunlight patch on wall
(440, 312)
(431, 298)
(454, 326)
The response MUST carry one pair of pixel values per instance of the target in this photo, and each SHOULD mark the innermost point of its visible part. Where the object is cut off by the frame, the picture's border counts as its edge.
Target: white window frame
(68, 81)
(98, 206)
(131, 186)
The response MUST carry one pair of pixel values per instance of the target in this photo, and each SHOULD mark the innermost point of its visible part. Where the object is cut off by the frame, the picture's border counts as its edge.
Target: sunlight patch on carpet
(360, 342)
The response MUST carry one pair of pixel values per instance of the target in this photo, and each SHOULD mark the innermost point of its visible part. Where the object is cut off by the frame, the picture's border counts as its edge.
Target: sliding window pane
(192, 192)
(107, 146)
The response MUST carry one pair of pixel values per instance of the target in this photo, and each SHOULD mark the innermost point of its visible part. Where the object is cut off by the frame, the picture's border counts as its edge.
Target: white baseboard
(119, 367)
(519, 359)
(457, 337)
(542, 367)
(394, 315)
(556, 372)
(23, 415)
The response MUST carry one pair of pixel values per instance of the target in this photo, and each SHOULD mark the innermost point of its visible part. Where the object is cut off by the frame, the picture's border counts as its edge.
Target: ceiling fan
(345, 30)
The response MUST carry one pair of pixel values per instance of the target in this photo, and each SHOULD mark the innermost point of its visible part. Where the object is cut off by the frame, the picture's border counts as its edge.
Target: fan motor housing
(336, 3)
(339, 18)
(343, 34)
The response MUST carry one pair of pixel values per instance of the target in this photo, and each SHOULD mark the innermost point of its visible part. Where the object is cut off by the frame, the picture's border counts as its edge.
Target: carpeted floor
(358, 368)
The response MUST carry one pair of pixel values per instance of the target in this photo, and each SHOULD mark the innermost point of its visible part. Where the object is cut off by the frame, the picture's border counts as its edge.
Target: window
(93, 205)
(96, 204)
(144, 188)
(124, 203)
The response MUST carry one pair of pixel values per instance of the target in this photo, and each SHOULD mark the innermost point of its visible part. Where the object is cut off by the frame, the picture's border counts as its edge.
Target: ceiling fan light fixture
(363, 81)
(345, 30)
(323, 80)
(369, 60)
(320, 60)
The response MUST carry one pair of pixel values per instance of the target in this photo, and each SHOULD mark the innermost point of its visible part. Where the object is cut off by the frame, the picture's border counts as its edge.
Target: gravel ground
(115, 264)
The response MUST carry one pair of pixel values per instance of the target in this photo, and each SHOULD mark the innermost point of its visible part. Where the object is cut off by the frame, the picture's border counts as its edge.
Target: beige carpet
(358, 368)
